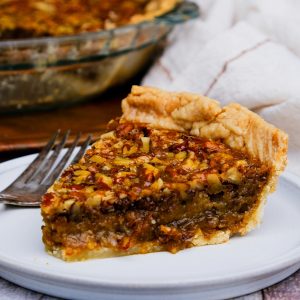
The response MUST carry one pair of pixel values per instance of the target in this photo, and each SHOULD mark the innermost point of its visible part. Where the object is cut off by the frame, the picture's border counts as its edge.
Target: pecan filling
(36, 18)
(139, 185)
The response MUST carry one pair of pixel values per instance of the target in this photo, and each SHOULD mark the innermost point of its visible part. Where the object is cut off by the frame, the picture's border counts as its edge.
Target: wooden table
(22, 134)
(28, 131)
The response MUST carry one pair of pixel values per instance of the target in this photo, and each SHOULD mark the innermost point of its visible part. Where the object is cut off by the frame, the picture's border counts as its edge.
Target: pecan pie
(176, 171)
(36, 18)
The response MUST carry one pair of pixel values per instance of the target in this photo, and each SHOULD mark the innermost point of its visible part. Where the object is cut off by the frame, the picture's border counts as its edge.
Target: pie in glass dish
(175, 171)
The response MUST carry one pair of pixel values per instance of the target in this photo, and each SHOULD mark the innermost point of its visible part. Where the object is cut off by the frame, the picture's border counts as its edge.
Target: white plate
(244, 265)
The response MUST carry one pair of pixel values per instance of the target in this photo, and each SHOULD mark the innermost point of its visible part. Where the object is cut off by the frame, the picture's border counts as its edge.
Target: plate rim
(282, 262)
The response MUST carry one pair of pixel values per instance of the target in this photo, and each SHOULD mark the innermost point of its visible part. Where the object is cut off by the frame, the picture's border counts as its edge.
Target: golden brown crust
(234, 124)
(162, 109)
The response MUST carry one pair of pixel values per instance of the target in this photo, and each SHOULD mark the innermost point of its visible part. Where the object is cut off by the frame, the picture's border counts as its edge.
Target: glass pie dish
(45, 72)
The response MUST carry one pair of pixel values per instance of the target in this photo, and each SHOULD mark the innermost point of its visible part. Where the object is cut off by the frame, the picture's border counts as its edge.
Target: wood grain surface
(30, 131)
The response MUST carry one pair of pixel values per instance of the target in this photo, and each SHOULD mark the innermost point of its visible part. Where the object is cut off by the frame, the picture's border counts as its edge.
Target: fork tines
(29, 187)
(48, 165)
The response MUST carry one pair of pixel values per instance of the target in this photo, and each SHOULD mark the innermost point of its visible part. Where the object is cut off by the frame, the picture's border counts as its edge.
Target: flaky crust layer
(235, 125)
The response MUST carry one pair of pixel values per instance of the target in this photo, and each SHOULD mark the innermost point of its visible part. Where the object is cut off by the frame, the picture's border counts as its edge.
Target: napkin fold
(240, 51)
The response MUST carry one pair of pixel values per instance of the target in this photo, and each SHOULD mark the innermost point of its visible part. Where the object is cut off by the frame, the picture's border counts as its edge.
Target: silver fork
(29, 187)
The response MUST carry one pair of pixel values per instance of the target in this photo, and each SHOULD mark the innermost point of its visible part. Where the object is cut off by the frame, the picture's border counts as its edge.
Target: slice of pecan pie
(176, 171)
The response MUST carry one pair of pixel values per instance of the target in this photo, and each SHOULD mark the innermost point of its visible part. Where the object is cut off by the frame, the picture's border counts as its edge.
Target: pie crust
(235, 125)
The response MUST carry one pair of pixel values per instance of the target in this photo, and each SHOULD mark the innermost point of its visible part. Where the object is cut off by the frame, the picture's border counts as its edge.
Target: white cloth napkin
(240, 51)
